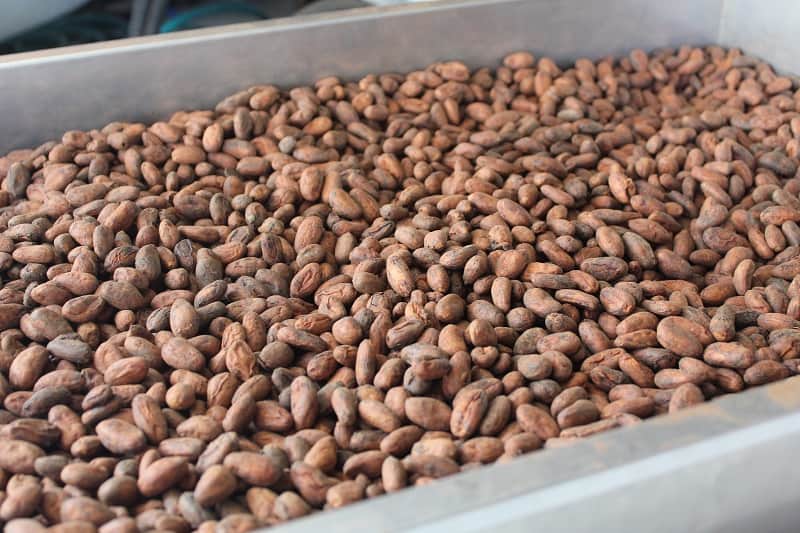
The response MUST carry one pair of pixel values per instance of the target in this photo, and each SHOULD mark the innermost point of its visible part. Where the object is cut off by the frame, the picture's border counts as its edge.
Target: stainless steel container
(729, 465)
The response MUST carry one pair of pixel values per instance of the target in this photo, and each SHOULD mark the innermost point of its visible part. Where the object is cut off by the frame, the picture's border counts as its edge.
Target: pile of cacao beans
(308, 297)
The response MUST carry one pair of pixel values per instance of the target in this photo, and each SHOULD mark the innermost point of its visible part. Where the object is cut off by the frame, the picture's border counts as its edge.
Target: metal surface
(764, 29)
(43, 94)
(726, 466)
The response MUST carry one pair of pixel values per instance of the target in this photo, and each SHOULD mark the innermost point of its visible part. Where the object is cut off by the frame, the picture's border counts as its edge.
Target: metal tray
(729, 465)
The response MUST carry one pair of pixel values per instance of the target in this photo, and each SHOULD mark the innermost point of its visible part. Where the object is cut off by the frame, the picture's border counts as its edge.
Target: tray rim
(241, 29)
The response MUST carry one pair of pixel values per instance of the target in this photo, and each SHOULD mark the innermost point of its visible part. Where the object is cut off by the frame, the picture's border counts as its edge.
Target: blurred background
(27, 25)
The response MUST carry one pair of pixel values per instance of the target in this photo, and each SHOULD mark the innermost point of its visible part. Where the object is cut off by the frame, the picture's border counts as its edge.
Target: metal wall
(43, 94)
(764, 28)
(727, 466)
